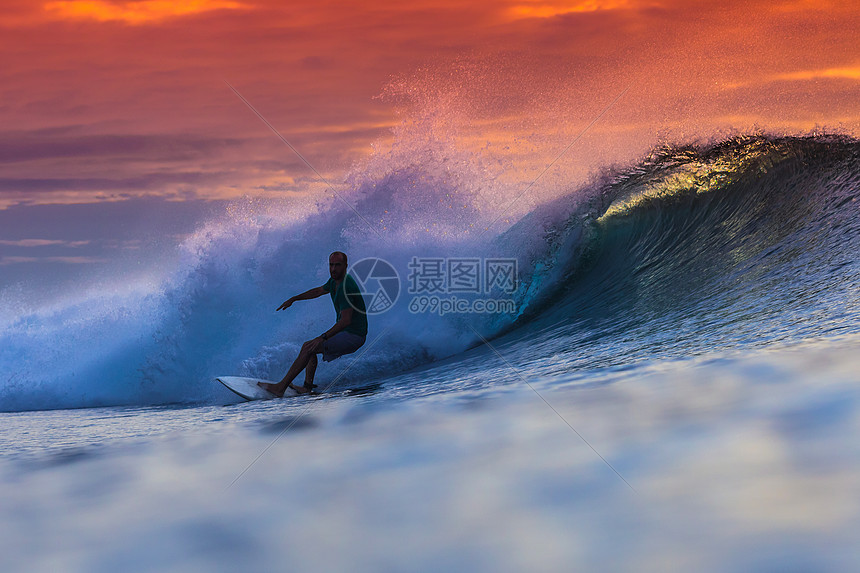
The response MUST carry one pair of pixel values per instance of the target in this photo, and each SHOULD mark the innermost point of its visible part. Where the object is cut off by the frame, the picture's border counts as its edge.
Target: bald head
(340, 255)
(337, 265)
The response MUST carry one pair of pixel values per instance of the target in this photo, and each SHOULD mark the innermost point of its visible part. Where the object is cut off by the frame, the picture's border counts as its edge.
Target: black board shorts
(341, 343)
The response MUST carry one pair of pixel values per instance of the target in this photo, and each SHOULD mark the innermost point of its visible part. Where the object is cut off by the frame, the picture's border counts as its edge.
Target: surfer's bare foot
(271, 388)
(300, 389)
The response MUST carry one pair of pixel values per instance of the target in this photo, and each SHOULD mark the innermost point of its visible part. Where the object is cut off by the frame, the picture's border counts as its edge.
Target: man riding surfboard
(345, 337)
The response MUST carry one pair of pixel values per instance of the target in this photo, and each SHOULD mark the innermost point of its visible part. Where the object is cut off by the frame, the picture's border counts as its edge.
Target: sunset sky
(117, 124)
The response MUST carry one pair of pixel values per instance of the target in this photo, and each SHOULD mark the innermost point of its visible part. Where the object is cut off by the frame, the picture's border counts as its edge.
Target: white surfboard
(247, 388)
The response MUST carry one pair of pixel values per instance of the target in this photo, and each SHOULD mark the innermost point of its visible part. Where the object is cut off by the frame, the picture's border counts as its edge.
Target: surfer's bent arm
(307, 295)
(345, 320)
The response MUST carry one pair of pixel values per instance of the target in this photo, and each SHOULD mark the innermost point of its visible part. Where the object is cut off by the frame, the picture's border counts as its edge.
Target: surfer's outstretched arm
(313, 293)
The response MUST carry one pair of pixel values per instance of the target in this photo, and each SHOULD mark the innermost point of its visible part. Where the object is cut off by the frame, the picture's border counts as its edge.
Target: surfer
(345, 337)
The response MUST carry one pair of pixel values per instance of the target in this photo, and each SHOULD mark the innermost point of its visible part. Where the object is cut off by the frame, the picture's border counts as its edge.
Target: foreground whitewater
(748, 463)
(676, 389)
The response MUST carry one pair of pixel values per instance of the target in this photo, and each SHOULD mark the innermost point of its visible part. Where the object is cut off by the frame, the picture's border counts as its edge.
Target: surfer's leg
(308, 350)
(310, 370)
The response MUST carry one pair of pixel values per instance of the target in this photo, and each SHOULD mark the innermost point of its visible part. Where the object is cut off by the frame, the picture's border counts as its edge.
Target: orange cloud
(804, 75)
(542, 9)
(134, 12)
(841, 73)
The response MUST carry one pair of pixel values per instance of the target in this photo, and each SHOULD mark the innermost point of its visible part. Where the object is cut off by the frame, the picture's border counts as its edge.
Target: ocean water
(677, 388)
